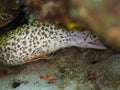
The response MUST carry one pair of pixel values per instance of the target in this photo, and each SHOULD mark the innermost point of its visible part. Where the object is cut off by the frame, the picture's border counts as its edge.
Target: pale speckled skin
(31, 40)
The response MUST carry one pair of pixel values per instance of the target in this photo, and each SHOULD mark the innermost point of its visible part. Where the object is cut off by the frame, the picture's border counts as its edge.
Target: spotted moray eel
(34, 41)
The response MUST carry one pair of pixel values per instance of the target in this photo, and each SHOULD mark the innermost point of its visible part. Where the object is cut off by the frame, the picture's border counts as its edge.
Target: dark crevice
(20, 19)
(15, 84)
